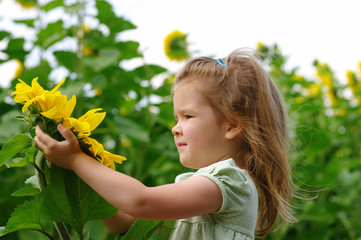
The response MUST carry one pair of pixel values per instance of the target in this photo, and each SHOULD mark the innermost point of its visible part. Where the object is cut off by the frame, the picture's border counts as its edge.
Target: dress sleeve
(236, 185)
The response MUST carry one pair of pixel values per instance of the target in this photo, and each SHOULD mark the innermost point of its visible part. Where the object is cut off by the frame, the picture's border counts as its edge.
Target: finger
(45, 139)
(38, 130)
(66, 133)
(39, 144)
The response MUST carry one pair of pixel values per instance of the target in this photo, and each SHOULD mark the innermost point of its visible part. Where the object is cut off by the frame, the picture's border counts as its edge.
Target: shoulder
(236, 184)
(223, 169)
(227, 171)
(228, 177)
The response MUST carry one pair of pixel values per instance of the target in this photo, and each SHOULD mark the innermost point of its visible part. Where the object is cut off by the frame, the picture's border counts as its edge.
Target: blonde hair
(241, 91)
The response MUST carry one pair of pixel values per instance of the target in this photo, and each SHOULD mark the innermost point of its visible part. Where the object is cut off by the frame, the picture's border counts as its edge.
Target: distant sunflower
(86, 28)
(260, 46)
(27, 4)
(175, 46)
(19, 69)
(87, 51)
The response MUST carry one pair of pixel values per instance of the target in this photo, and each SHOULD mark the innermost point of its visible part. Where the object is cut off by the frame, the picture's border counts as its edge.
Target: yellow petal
(96, 147)
(88, 113)
(104, 157)
(21, 87)
(93, 118)
(69, 107)
(52, 113)
(48, 101)
(58, 99)
(113, 157)
(37, 90)
(21, 92)
(58, 86)
(77, 126)
(60, 103)
(109, 164)
(27, 104)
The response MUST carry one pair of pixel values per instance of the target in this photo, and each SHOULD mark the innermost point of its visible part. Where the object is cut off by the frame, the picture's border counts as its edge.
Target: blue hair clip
(221, 62)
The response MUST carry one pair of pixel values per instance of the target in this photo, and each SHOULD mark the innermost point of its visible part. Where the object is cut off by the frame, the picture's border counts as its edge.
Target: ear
(233, 130)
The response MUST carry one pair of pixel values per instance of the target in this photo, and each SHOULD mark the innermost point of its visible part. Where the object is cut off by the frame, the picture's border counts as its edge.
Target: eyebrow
(183, 110)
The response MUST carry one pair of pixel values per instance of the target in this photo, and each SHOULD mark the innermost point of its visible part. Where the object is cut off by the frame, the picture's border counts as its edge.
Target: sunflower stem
(40, 165)
(40, 162)
(62, 231)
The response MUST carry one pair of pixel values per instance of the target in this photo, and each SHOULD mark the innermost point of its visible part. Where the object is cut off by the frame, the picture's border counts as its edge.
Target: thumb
(66, 133)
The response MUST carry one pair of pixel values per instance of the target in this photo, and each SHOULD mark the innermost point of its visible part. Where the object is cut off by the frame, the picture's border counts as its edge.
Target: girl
(231, 126)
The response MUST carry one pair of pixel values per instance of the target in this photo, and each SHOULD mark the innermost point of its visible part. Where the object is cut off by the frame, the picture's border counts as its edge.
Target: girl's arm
(192, 197)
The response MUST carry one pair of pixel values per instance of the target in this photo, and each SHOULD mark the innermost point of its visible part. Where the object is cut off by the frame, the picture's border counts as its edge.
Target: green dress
(237, 217)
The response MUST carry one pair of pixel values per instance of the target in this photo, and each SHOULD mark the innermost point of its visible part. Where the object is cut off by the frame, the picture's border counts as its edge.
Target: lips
(181, 145)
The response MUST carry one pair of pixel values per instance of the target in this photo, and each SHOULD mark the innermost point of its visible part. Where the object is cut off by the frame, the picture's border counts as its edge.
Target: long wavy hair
(242, 91)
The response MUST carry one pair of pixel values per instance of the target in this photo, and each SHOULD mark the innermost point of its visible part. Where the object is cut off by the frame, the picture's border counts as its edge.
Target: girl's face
(198, 134)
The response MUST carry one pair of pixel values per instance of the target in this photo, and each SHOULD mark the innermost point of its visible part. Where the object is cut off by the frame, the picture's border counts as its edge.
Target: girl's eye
(188, 116)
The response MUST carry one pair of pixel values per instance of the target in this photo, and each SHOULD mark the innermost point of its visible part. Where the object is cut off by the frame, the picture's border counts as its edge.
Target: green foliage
(91, 57)
(325, 117)
(68, 199)
(25, 216)
(141, 229)
(15, 146)
(325, 124)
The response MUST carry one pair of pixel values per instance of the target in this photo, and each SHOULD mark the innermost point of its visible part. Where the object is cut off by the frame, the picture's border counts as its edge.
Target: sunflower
(27, 4)
(175, 46)
(19, 69)
(50, 108)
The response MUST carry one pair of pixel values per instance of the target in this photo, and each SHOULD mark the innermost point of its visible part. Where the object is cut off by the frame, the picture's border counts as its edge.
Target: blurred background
(122, 56)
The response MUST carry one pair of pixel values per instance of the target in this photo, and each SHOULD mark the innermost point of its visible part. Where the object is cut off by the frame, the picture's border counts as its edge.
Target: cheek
(192, 133)
(198, 136)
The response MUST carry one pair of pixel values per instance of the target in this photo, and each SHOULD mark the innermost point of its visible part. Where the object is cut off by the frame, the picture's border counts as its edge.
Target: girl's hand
(62, 154)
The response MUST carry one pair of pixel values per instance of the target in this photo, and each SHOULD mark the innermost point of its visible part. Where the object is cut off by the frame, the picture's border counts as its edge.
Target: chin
(186, 164)
(190, 165)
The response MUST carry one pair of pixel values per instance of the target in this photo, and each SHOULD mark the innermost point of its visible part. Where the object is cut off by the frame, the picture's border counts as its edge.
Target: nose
(176, 130)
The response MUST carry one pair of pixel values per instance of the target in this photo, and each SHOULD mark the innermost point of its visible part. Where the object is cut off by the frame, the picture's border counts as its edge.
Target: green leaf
(26, 191)
(52, 4)
(68, 199)
(13, 147)
(32, 182)
(107, 57)
(32, 188)
(53, 33)
(105, 11)
(130, 128)
(141, 229)
(16, 162)
(120, 24)
(27, 22)
(15, 49)
(25, 216)
(27, 156)
(75, 8)
(66, 58)
(4, 34)
(129, 49)
(107, 16)
(147, 72)
(166, 228)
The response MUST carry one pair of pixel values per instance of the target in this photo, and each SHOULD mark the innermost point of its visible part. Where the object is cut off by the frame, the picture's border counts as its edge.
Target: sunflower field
(119, 112)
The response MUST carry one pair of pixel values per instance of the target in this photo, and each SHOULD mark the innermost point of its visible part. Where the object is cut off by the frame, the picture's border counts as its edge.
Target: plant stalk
(40, 162)
(62, 231)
